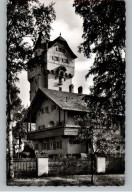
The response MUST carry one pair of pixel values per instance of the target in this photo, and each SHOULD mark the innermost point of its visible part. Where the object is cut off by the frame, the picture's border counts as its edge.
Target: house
(54, 106)
(51, 117)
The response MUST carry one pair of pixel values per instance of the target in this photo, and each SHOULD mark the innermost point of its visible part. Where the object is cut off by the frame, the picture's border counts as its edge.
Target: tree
(24, 18)
(104, 35)
(100, 135)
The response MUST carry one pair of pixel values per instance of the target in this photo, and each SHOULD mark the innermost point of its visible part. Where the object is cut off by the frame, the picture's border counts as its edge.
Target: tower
(52, 66)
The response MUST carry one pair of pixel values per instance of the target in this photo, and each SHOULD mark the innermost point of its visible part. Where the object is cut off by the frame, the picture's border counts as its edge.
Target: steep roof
(51, 43)
(65, 100)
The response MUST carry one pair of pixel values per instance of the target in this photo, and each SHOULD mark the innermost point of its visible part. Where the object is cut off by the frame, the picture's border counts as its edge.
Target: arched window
(51, 124)
(80, 90)
(71, 88)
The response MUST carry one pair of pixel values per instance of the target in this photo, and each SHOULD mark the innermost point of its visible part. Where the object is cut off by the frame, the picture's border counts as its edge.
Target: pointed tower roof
(51, 43)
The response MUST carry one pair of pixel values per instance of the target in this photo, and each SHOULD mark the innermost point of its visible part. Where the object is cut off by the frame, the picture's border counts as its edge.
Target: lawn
(74, 180)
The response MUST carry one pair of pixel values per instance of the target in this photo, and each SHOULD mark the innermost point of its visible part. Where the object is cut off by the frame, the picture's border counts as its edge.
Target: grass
(74, 180)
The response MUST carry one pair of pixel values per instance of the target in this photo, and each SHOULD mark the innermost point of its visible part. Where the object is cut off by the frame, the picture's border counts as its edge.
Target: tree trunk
(92, 169)
(11, 168)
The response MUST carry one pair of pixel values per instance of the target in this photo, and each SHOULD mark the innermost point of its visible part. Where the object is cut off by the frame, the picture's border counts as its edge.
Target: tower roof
(51, 43)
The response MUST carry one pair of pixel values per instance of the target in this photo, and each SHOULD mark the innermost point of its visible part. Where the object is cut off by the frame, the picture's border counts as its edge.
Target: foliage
(104, 35)
(99, 133)
(24, 19)
(20, 128)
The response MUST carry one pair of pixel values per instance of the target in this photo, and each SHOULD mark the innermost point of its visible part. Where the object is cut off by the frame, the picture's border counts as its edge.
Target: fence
(115, 165)
(69, 167)
(27, 167)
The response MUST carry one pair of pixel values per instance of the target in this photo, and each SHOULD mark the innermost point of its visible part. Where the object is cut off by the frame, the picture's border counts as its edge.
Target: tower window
(71, 88)
(60, 88)
(65, 60)
(80, 89)
(60, 80)
(62, 50)
(55, 58)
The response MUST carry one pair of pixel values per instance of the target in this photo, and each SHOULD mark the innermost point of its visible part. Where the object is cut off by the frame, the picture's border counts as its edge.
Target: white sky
(70, 26)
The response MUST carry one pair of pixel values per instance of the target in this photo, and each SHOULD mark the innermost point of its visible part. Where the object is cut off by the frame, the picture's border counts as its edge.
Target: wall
(67, 148)
(53, 65)
(44, 118)
(36, 77)
(53, 83)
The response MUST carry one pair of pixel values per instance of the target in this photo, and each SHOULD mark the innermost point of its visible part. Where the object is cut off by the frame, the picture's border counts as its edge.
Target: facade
(54, 105)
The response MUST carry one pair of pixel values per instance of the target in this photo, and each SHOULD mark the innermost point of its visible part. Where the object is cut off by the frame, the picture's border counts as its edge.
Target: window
(47, 109)
(48, 145)
(62, 50)
(51, 145)
(53, 107)
(54, 145)
(80, 89)
(60, 80)
(51, 124)
(44, 146)
(55, 58)
(58, 144)
(60, 88)
(65, 60)
(71, 88)
(36, 146)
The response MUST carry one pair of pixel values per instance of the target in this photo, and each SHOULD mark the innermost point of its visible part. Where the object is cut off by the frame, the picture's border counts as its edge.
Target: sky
(69, 25)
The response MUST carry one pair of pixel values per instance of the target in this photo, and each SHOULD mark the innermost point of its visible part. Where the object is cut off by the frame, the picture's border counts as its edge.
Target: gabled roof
(51, 43)
(65, 100)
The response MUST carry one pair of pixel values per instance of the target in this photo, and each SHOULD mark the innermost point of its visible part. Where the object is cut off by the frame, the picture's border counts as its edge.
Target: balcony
(53, 132)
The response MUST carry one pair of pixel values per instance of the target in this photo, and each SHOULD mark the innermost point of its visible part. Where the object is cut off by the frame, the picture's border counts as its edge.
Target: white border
(128, 185)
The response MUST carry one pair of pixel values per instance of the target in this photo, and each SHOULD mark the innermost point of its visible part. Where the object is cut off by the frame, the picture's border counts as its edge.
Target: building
(54, 105)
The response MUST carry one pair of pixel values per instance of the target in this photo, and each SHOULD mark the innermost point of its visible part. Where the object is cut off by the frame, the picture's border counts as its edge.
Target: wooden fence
(24, 167)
